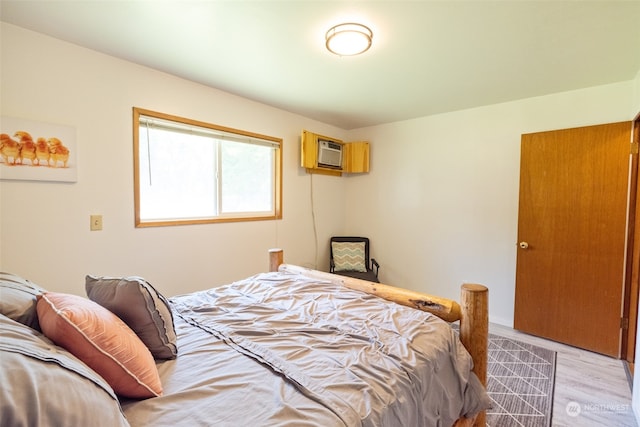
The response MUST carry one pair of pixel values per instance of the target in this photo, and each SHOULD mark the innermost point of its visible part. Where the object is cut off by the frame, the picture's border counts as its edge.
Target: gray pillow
(141, 307)
(18, 299)
(45, 385)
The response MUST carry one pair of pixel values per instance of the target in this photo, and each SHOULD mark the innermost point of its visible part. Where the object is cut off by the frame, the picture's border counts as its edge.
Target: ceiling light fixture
(349, 39)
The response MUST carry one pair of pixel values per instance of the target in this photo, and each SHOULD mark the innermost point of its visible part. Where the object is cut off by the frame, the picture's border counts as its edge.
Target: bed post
(474, 331)
(276, 257)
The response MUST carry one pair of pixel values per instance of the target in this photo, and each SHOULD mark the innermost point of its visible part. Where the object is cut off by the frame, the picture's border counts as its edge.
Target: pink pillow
(101, 340)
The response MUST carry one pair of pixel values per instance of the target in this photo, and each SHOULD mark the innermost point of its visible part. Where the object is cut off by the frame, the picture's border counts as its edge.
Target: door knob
(524, 245)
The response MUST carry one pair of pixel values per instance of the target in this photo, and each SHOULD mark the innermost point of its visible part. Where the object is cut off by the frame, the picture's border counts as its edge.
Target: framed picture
(37, 151)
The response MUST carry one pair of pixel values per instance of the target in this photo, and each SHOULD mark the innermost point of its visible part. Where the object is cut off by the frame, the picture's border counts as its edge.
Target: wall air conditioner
(329, 154)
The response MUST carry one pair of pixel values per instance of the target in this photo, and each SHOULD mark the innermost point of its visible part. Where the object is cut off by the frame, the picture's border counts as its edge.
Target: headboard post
(474, 331)
(276, 257)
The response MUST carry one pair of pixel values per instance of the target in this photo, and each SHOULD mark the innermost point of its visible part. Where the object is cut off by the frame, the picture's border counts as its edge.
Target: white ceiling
(427, 57)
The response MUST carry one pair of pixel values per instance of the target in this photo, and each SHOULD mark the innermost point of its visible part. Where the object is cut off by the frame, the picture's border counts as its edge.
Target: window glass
(247, 178)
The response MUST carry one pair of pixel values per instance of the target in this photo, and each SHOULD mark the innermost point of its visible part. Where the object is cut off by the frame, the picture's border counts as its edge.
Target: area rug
(520, 382)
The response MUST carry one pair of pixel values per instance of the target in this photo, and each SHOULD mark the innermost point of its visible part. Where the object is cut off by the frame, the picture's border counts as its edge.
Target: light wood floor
(591, 389)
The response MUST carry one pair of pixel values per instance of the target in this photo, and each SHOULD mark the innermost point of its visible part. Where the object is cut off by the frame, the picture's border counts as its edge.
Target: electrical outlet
(96, 222)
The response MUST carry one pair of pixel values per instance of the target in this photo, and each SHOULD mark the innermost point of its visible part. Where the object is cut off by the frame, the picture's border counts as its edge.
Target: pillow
(18, 299)
(348, 256)
(101, 340)
(141, 307)
(45, 385)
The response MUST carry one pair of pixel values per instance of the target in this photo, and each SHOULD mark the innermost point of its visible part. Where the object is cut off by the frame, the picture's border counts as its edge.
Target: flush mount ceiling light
(349, 39)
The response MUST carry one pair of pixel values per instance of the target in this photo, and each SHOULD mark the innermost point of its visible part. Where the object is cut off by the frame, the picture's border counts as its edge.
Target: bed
(289, 347)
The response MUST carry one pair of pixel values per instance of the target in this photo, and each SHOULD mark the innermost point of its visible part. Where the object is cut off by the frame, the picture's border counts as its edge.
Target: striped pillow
(141, 307)
(348, 256)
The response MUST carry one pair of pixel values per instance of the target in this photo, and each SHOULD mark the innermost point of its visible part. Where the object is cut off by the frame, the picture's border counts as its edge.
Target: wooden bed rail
(444, 308)
(472, 312)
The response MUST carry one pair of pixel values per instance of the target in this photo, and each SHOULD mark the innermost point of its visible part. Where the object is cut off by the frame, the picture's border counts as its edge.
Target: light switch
(96, 222)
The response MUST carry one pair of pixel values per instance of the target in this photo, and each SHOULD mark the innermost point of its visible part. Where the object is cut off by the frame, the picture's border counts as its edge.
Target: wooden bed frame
(472, 312)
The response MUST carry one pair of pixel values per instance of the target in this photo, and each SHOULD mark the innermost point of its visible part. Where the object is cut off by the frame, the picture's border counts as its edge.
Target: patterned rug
(520, 382)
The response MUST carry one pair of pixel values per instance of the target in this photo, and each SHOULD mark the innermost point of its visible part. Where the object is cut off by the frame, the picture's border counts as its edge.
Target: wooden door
(571, 235)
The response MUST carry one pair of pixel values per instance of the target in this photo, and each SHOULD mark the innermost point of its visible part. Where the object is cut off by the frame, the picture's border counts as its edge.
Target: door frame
(632, 269)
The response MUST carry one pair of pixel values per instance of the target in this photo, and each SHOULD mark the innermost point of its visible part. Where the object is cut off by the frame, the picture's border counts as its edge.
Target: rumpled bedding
(280, 349)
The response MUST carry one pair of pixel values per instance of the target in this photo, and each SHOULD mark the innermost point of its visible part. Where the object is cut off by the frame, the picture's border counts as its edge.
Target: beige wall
(441, 201)
(44, 227)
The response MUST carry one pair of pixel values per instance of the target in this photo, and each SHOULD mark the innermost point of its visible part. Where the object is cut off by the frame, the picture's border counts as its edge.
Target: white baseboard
(501, 321)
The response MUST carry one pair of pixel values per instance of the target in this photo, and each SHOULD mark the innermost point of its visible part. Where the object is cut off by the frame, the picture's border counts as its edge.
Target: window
(189, 172)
